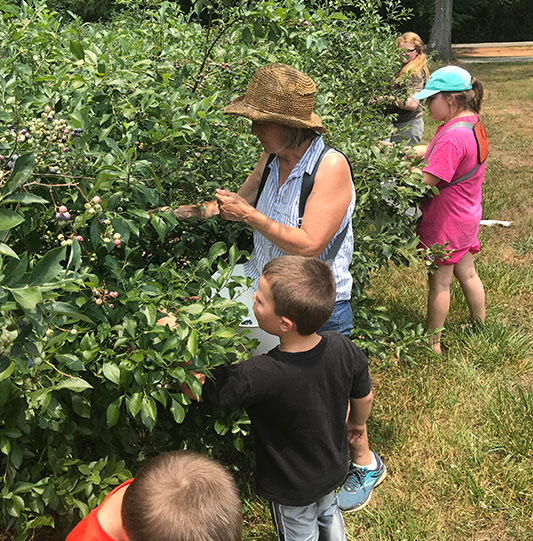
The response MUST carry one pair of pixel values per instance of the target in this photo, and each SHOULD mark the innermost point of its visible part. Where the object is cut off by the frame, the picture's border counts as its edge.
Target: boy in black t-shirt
(296, 397)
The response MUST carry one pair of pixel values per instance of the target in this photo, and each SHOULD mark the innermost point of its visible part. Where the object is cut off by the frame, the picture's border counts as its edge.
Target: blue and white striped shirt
(282, 207)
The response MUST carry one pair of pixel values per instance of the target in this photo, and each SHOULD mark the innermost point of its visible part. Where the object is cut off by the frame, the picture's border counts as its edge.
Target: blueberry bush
(100, 123)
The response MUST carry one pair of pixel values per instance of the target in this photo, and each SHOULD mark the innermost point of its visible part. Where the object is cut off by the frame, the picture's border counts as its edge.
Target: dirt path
(494, 51)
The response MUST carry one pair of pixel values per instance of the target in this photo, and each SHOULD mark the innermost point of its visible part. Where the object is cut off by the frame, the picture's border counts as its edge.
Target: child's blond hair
(182, 495)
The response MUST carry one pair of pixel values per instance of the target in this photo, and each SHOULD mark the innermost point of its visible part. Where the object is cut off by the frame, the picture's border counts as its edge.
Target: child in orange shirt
(177, 495)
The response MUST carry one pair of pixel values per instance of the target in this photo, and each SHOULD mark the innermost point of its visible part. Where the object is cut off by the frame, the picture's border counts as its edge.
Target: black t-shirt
(297, 405)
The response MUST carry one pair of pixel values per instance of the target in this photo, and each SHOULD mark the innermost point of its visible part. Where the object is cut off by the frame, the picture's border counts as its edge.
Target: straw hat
(279, 93)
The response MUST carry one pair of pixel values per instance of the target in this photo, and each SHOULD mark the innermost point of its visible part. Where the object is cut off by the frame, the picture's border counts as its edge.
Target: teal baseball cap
(447, 79)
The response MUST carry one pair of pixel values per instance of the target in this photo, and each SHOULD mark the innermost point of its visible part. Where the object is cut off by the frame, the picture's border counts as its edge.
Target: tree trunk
(440, 40)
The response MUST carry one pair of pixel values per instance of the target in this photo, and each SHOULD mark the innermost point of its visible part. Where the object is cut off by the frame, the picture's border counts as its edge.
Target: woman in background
(410, 124)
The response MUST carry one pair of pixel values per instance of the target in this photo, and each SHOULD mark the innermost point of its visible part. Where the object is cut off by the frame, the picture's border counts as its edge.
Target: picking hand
(232, 206)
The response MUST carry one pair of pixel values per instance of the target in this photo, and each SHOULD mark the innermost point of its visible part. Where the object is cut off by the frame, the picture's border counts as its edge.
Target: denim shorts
(321, 520)
(341, 320)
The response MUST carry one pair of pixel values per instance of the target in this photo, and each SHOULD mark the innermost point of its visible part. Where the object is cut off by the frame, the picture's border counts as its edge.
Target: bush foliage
(100, 122)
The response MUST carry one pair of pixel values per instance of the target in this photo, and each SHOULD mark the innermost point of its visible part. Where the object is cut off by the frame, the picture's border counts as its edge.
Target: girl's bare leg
(471, 285)
(438, 302)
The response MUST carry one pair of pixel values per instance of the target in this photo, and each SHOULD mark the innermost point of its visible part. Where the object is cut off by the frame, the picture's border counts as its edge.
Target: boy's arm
(356, 421)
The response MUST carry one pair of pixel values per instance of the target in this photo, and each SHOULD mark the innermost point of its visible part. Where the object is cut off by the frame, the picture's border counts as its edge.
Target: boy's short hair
(303, 290)
(182, 495)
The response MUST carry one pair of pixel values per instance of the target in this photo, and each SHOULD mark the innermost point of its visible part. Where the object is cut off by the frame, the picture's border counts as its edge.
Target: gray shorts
(319, 521)
(410, 132)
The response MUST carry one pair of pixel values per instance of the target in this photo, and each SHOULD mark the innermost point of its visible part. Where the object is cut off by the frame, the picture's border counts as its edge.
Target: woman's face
(410, 52)
(270, 136)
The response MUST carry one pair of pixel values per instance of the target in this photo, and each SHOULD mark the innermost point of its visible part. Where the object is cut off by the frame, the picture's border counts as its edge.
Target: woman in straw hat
(279, 101)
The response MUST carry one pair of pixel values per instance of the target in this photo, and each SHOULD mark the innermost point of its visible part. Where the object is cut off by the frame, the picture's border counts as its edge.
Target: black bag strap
(264, 176)
(308, 182)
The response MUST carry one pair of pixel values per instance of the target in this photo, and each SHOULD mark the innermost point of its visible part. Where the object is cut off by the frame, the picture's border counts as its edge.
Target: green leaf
(193, 309)
(247, 36)
(5, 445)
(74, 261)
(9, 219)
(20, 174)
(27, 297)
(73, 384)
(161, 226)
(192, 342)
(113, 412)
(207, 317)
(133, 403)
(150, 313)
(48, 267)
(6, 372)
(25, 199)
(218, 249)
(81, 406)
(112, 372)
(76, 49)
(7, 251)
(148, 412)
(130, 325)
(178, 411)
(67, 310)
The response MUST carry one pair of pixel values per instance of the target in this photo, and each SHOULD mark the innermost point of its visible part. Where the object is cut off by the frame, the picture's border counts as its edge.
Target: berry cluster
(103, 296)
(51, 139)
(62, 214)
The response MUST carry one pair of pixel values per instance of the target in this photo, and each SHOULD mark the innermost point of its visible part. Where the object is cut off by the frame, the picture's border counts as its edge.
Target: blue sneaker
(357, 488)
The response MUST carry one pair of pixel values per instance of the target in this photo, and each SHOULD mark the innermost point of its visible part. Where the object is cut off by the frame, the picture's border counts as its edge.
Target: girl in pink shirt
(453, 216)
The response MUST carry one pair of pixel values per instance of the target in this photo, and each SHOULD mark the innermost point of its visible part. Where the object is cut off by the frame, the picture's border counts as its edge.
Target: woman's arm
(409, 104)
(324, 211)
(210, 208)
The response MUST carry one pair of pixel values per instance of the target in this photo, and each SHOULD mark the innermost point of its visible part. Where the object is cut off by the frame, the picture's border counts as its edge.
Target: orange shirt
(90, 529)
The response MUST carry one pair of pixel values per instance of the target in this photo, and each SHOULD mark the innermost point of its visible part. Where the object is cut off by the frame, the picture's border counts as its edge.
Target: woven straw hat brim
(239, 107)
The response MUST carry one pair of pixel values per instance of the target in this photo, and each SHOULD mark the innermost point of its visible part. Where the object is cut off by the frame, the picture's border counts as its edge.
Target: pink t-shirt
(455, 213)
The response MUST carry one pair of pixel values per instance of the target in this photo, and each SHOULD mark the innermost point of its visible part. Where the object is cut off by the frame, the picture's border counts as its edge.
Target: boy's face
(264, 311)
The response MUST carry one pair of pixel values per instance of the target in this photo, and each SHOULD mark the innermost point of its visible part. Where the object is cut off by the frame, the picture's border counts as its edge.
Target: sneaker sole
(365, 503)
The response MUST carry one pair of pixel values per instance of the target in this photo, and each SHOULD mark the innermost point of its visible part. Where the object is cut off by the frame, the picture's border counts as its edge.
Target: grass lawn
(456, 432)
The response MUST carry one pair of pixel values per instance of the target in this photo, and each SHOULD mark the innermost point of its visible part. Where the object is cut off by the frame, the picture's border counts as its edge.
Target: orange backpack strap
(482, 141)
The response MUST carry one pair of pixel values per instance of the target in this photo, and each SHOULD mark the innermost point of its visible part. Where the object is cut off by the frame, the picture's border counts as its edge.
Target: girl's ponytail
(477, 97)
(468, 100)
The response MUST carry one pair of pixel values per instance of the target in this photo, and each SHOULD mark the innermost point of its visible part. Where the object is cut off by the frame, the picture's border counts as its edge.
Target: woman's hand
(232, 206)
(205, 210)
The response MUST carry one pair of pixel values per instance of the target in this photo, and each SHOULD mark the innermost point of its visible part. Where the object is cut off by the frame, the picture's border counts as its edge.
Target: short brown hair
(294, 137)
(303, 290)
(182, 496)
